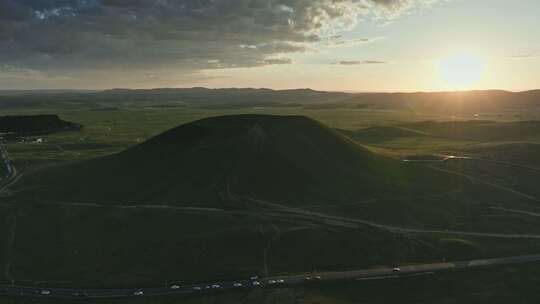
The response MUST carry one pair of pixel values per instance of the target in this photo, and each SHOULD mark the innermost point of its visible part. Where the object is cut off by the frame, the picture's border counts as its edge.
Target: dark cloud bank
(68, 36)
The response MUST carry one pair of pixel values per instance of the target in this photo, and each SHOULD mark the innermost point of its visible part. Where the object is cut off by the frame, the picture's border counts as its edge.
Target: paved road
(438, 158)
(276, 281)
(282, 210)
(490, 184)
(445, 158)
(7, 162)
(11, 176)
(525, 212)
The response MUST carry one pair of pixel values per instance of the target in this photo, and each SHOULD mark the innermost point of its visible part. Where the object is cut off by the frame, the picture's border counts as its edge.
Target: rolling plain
(151, 193)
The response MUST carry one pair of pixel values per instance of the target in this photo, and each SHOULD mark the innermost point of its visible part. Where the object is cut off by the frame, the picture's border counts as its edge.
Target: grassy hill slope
(292, 159)
(254, 162)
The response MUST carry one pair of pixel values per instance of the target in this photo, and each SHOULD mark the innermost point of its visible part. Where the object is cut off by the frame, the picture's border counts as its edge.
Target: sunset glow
(461, 71)
(343, 45)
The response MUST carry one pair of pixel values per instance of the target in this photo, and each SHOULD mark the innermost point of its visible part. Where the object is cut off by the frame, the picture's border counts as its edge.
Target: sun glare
(461, 71)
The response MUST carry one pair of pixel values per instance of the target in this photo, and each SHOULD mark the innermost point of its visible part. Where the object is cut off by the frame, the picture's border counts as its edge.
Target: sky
(338, 45)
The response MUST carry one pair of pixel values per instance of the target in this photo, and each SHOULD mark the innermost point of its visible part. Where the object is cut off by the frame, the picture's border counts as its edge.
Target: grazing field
(89, 236)
(112, 129)
(3, 169)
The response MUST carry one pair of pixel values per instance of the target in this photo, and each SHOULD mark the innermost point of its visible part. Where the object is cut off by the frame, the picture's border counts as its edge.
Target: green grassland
(216, 164)
(3, 169)
(113, 129)
(144, 247)
(147, 248)
(520, 153)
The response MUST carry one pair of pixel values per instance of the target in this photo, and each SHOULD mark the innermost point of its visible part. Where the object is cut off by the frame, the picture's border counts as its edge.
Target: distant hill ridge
(453, 102)
(447, 102)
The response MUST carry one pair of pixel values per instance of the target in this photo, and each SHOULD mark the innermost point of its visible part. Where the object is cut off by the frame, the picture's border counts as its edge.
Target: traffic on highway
(253, 282)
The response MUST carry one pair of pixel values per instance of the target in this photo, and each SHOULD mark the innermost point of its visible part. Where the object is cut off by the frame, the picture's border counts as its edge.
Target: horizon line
(265, 88)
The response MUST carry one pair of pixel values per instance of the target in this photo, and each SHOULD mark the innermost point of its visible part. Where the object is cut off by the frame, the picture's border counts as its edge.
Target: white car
(197, 288)
(272, 282)
(281, 281)
(318, 277)
(45, 292)
(256, 283)
(396, 269)
(138, 293)
(215, 286)
(237, 285)
(175, 287)
(254, 277)
(307, 278)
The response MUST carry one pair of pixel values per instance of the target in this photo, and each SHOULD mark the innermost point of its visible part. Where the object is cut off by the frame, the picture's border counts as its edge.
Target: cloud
(270, 61)
(358, 62)
(12, 72)
(65, 36)
(13, 76)
(338, 42)
(390, 9)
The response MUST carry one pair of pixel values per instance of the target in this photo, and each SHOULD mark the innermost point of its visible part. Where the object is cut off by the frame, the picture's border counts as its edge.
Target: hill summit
(212, 161)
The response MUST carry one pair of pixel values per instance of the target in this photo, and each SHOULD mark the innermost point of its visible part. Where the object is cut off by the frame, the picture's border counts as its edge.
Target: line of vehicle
(394, 272)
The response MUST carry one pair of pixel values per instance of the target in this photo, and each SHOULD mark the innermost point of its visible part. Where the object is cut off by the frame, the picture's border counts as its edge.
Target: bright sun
(461, 71)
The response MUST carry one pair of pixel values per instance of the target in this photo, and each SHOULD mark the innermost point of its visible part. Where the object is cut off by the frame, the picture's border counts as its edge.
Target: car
(237, 285)
(79, 294)
(280, 281)
(138, 293)
(307, 278)
(256, 283)
(175, 286)
(272, 281)
(215, 286)
(318, 277)
(44, 292)
(254, 277)
(197, 288)
(396, 269)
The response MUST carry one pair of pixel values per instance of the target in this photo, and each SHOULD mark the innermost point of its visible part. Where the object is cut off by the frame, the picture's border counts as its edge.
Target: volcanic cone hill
(219, 161)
